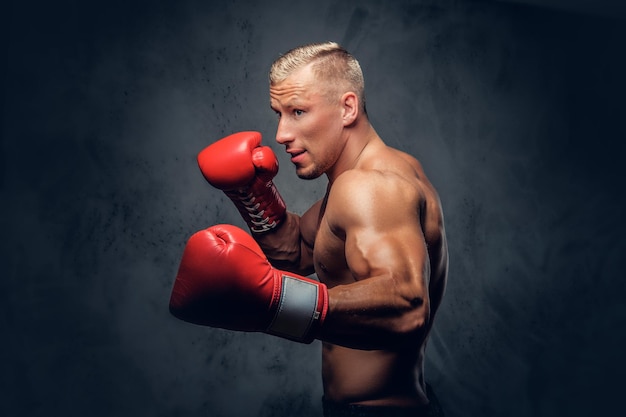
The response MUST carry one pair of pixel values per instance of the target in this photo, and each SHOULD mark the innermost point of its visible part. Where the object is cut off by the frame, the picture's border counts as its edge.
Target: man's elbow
(412, 324)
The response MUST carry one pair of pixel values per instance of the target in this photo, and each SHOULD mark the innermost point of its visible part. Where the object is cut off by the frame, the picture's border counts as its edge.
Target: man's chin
(307, 175)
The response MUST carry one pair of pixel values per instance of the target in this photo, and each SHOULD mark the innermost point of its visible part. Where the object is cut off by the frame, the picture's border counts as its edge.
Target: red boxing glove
(224, 280)
(243, 169)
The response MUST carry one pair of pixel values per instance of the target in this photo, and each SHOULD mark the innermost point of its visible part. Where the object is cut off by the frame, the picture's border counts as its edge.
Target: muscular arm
(290, 246)
(387, 306)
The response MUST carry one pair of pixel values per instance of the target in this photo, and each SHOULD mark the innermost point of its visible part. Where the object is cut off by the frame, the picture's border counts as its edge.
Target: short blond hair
(331, 63)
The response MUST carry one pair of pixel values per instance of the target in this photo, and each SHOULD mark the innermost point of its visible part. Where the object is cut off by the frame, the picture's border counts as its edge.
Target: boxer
(376, 242)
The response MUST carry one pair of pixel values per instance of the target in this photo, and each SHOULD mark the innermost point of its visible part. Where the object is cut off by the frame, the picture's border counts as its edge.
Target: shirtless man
(376, 242)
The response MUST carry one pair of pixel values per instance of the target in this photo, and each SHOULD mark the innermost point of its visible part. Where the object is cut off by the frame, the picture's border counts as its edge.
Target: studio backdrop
(515, 111)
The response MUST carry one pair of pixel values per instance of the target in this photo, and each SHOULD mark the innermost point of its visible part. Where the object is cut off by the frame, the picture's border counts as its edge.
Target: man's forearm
(376, 313)
(285, 248)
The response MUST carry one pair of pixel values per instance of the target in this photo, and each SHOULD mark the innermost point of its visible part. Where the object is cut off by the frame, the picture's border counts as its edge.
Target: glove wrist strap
(301, 309)
(260, 205)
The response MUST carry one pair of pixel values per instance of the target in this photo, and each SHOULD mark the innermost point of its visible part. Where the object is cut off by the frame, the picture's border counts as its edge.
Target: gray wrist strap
(297, 310)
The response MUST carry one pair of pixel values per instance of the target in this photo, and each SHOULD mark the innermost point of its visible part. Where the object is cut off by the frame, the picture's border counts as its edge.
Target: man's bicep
(380, 241)
(397, 252)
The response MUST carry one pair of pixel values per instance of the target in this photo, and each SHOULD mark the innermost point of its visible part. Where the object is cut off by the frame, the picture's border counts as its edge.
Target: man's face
(310, 124)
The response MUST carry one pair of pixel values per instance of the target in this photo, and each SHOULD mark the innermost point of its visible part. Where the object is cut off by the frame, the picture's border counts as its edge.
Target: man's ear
(350, 107)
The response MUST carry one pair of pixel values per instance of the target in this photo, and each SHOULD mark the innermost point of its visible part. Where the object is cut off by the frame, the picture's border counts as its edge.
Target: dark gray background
(516, 111)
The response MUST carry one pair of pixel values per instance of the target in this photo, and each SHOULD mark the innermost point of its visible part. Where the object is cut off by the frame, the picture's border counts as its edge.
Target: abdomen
(371, 376)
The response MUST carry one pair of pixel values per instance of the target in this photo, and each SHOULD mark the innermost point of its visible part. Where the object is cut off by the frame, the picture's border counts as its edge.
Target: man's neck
(358, 139)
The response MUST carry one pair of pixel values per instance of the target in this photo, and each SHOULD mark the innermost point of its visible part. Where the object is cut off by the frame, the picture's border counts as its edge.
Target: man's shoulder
(364, 181)
(378, 178)
(365, 194)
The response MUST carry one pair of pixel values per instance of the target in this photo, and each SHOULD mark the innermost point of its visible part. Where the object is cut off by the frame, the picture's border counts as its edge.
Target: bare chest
(329, 257)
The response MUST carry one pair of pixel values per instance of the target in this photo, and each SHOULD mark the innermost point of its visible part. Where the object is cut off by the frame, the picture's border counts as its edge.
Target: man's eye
(298, 112)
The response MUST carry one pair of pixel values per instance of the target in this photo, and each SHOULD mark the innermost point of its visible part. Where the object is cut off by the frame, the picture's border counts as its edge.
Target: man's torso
(375, 376)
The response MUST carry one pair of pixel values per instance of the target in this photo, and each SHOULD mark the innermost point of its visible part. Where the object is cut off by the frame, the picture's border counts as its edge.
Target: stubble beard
(309, 174)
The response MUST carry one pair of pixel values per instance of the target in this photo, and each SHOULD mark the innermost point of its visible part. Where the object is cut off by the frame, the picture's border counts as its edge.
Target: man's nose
(283, 132)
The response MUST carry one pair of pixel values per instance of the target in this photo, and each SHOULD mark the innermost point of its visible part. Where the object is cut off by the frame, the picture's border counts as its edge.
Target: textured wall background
(517, 114)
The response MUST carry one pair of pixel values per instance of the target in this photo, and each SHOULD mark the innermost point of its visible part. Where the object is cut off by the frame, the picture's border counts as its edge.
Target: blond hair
(331, 63)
